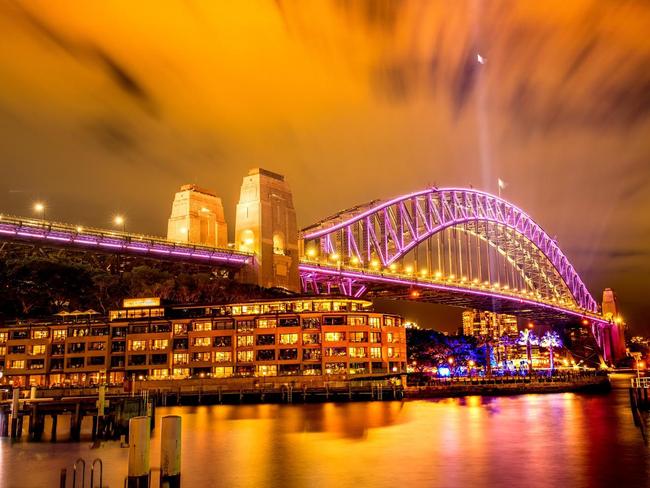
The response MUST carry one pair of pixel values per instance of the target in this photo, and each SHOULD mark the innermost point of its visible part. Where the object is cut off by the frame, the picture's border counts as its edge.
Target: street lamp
(119, 220)
(39, 208)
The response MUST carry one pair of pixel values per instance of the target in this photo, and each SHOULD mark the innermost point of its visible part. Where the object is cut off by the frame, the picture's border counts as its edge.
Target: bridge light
(423, 272)
(374, 263)
(506, 287)
(354, 260)
(415, 294)
(183, 230)
(335, 257)
(496, 285)
(393, 267)
(438, 275)
(475, 281)
(409, 269)
(79, 229)
(452, 277)
(463, 279)
(311, 252)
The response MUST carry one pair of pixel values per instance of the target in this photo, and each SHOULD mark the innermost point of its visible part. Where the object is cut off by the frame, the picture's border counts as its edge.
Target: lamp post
(39, 208)
(120, 221)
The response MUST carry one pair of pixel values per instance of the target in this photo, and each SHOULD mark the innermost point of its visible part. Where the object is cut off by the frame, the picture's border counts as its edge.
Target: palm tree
(486, 341)
(551, 340)
(528, 338)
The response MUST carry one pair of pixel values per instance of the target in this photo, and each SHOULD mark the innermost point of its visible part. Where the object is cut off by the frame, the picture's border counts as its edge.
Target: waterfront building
(197, 217)
(478, 323)
(306, 336)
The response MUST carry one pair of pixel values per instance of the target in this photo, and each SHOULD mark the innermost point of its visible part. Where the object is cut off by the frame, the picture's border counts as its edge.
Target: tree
(551, 340)
(528, 338)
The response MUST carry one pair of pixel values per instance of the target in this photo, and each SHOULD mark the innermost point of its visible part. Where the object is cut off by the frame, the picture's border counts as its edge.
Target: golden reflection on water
(536, 440)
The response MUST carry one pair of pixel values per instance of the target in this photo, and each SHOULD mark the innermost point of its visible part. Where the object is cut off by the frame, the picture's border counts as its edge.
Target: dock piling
(170, 452)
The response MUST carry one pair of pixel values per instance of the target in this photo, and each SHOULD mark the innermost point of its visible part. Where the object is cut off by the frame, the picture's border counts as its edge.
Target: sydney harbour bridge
(453, 246)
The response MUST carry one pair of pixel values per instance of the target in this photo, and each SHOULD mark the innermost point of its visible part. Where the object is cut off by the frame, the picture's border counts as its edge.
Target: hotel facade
(312, 337)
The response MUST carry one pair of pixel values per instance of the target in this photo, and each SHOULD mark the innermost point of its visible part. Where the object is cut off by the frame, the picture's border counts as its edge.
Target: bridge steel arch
(387, 231)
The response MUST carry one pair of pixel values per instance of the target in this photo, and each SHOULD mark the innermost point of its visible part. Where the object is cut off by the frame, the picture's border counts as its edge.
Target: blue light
(444, 371)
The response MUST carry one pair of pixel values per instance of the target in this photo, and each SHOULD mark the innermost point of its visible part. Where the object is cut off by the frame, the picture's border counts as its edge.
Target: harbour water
(564, 439)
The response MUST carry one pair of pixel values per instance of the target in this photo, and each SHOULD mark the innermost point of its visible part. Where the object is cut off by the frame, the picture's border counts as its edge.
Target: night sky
(109, 107)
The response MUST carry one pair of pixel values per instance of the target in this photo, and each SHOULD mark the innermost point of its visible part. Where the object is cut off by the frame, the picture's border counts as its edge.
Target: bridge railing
(57, 231)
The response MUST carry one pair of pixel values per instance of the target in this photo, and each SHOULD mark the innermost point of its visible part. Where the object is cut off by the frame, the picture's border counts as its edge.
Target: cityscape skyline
(115, 113)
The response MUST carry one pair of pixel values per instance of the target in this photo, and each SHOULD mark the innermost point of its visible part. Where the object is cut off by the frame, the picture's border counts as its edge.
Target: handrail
(83, 473)
(642, 382)
(78, 234)
(92, 473)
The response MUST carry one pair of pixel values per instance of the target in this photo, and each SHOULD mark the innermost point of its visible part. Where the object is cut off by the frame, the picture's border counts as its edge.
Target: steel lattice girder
(389, 230)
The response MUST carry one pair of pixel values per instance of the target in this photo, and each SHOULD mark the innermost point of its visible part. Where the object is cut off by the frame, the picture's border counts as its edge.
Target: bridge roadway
(466, 294)
(40, 232)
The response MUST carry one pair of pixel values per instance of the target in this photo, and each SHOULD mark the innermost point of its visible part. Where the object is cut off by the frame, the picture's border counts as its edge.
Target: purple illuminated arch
(391, 229)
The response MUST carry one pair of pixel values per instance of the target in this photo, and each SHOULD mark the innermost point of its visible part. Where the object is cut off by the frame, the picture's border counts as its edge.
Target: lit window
(375, 337)
(159, 374)
(178, 373)
(389, 321)
(334, 336)
(202, 326)
(18, 364)
(266, 323)
(375, 352)
(288, 338)
(356, 320)
(38, 349)
(202, 341)
(180, 329)
(389, 337)
(267, 370)
(222, 371)
(58, 335)
(245, 356)
(244, 340)
(40, 334)
(181, 358)
(158, 344)
(357, 352)
(137, 345)
(392, 353)
(374, 322)
(222, 357)
(3, 337)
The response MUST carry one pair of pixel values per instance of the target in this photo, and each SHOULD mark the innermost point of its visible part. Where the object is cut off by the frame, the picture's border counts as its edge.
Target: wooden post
(55, 419)
(32, 393)
(15, 405)
(139, 445)
(75, 423)
(170, 452)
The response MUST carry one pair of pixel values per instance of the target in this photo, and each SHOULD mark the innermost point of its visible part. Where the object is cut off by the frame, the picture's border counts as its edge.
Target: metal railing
(26, 228)
(641, 382)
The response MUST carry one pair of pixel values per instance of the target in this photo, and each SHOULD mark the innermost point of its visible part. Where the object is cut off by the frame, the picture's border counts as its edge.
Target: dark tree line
(41, 286)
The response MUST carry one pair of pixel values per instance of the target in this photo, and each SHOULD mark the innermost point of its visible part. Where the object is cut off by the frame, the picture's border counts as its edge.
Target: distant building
(478, 323)
(197, 218)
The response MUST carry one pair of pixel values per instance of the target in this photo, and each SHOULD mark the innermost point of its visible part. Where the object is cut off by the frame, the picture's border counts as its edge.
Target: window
(374, 322)
(389, 337)
(288, 354)
(311, 354)
(288, 338)
(322, 306)
(18, 364)
(289, 369)
(311, 323)
(334, 320)
(357, 352)
(265, 340)
(76, 347)
(357, 320)
(311, 338)
(96, 346)
(4, 336)
(38, 364)
(302, 306)
(201, 356)
(375, 337)
(335, 368)
(245, 325)
(159, 359)
(3, 350)
(335, 351)
(375, 352)
(202, 326)
(178, 373)
(244, 340)
(96, 360)
(339, 306)
(392, 353)
(180, 343)
(20, 349)
(158, 344)
(389, 321)
(266, 323)
(181, 358)
(222, 341)
(38, 349)
(159, 374)
(312, 370)
(116, 332)
(40, 334)
(60, 348)
(334, 336)
(358, 337)
(222, 371)
(138, 345)
(201, 341)
(265, 355)
(289, 322)
(222, 357)
(245, 356)
(180, 329)
(270, 370)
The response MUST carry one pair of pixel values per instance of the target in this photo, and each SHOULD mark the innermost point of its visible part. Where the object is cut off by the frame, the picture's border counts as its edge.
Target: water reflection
(536, 440)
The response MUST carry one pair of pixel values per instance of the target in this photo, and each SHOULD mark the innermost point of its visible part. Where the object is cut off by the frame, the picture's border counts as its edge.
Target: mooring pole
(170, 452)
(139, 446)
